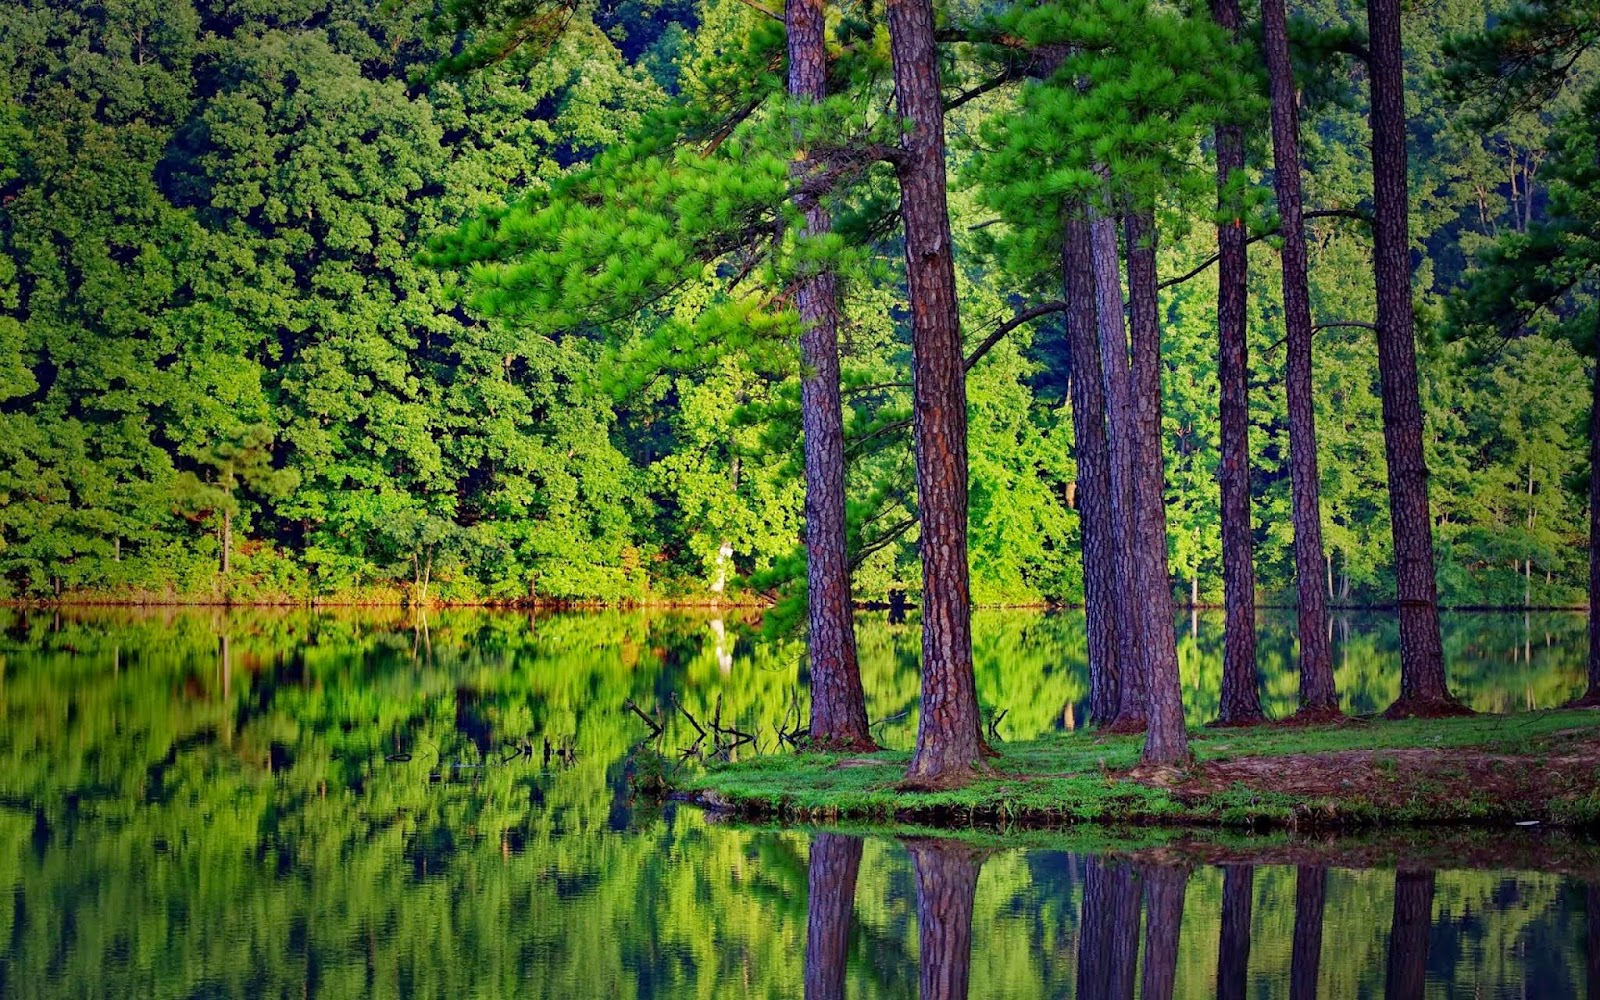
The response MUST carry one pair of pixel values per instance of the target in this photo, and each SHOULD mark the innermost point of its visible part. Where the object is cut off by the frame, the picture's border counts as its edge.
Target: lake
(285, 803)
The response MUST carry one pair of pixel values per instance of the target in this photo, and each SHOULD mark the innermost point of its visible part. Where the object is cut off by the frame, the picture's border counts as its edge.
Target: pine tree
(1317, 694)
(1423, 687)
(949, 742)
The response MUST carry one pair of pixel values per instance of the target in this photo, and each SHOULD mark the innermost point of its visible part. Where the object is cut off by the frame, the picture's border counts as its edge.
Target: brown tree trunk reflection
(1592, 942)
(1164, 891)
(1408, 936)
(1233, 946)
(1310, 894)
(1108, 932)
(947, 881)
(830, 905)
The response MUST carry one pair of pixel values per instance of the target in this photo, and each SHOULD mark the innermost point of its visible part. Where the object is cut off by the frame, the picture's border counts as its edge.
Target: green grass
(1080, 778)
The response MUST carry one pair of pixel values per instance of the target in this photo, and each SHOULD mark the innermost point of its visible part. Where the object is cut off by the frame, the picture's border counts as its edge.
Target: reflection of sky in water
(281, 803)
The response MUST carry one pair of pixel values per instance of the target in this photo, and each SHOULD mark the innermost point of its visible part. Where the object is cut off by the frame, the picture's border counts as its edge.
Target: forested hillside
(230, 366)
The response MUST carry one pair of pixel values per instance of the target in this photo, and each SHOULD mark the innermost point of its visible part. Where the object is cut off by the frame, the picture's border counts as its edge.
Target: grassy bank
(1539, 767)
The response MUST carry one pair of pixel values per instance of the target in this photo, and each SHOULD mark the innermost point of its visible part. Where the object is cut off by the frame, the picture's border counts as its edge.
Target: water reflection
(1391, 959)
(297, 804)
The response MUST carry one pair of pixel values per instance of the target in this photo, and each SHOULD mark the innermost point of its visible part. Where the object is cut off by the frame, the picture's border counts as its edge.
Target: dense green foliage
(215, 327)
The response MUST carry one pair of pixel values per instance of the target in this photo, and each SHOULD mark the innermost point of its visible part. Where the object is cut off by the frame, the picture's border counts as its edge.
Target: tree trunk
(838, 702)
(1407, 972)
(830, 904)
(1094, 468)
(1317, 693)
(1166, 741)
(1591, 899)
(1164, 892)
(949, 743)
(1310, 895)
(1241, 702)
(1233, 945)
(947, 881)
(1423, 689)
(227, 542)
(1124, 938)
(1593, 695)
(1119, 433)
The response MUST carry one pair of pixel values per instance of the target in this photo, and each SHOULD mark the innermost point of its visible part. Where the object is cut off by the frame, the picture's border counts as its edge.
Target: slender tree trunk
(949, 743)
(227, 542)
(1318, 696)
(1591, 697)
(1233, 945)
(1127, 895)
(1407, 971)
(1119, 433)
(1166, 741)
(1423, 688)
(1094, 468)
(1096, 910)
(1591, 899)
(1310, 896)
(830, 905)
(1241, 702)
(947, 881)
(838, 702)
(1164, 891)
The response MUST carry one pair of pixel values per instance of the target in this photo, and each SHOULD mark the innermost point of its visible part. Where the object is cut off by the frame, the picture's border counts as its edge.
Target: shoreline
(1482, 771)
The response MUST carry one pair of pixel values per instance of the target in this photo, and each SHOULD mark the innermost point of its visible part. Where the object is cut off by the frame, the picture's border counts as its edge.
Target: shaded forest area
(226, 372)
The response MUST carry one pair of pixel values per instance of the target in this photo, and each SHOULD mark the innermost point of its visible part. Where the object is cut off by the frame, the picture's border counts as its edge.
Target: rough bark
(949, 744)
(1164, 891)
(1233, 944)
(1407, 971)
(1094, 468)
(1423, 688)
(947, 881)
(838, 702)
(1118, 394)
(1241, 702)
(1108, 931)
(1317, 693)
(1310, 897)
(1166, 741)
(1592, 696)
(830, 905)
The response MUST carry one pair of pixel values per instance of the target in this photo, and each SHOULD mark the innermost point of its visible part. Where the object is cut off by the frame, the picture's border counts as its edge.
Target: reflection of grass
(1478, 769)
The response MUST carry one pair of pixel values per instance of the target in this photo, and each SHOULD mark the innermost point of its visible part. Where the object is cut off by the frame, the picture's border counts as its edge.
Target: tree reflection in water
(835, 861)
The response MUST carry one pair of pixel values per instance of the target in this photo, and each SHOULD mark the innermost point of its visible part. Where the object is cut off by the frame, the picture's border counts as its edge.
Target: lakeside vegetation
(1494, 770)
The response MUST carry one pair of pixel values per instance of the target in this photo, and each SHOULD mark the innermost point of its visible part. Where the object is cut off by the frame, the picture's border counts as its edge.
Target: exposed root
(1446, 707)
(1248, 722)
(1124, 726)
(1590, 699)
(1331, 716)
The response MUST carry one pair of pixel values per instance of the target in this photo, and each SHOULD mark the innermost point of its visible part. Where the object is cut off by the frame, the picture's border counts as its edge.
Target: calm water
(340, 804)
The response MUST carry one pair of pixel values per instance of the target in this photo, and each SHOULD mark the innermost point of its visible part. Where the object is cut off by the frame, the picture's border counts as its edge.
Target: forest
(228, 369)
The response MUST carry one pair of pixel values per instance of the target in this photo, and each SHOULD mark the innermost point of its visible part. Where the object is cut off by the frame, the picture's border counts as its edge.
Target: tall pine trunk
(830, 904)
(1233, 944)
(1406, 974)
(1423, 688)
(1165, 887)
(1317, 693)
(1094, 467)
(1113, 330)
(949, 743)
(1310, 897)
(1241, 702)
(1166, 741)
(838, 702)
(947, 881)
(1591, 697)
